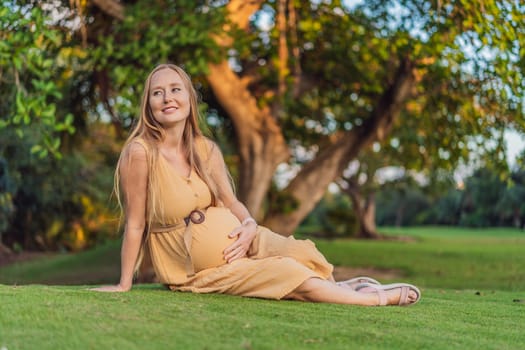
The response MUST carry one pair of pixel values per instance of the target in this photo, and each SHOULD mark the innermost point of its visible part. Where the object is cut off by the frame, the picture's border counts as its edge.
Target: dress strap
(190, 269)
(159, 228)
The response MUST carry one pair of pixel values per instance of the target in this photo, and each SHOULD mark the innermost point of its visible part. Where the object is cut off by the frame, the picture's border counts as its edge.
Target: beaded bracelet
(247, 220)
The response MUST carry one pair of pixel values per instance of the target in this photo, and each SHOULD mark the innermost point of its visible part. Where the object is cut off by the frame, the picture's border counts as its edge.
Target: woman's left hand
(245, 235)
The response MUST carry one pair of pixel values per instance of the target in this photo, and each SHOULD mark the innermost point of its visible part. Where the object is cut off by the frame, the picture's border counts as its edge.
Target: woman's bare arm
(134, 182)
(245, 233)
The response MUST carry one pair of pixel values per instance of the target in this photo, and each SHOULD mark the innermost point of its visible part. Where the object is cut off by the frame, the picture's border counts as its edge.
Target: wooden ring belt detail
(196, 217)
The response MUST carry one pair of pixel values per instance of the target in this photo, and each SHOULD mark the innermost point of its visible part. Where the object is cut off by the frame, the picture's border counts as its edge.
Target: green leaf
(36, 149)
(43, 153)
(20, 105)
(17, 119)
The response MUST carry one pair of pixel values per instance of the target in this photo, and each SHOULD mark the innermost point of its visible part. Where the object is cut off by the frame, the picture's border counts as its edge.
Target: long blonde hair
(150, 132)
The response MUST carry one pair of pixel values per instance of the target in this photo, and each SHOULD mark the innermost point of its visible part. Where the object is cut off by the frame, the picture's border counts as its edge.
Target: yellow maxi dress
(189, 256)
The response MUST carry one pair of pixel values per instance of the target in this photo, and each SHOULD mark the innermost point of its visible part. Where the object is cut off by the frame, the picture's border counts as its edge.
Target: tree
(407, 82)
(511, 205)
(444, 210)
(323, 82)
(360, 184)
(57, 204)
(490, 200)
(33, 58)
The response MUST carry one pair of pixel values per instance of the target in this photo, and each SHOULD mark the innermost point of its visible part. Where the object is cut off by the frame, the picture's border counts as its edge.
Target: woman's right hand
(114, 288)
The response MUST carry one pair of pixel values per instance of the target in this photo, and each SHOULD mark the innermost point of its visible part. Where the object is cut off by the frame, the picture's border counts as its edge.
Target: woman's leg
(319, 290)
(268, 244)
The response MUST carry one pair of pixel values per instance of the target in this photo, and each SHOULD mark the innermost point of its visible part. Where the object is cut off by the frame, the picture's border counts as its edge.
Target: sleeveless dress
(188, 256)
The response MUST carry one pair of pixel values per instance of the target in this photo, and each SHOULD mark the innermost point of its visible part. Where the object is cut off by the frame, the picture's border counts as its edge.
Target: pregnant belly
(210, 238)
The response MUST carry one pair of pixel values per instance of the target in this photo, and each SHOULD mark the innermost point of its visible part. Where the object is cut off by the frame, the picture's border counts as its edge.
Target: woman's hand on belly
(245, 235)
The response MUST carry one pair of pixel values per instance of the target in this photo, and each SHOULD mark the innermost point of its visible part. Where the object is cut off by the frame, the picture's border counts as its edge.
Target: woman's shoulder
(205, 142)
(137, 148)
(206, 147)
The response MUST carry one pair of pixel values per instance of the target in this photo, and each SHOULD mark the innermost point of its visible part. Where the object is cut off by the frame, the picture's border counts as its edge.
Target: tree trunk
(4, 250)
(261, 144)
(516, 218)
(260, 140)
(365, 212)
(309, 185)
(399, 215)
(112, 8)
(368, 220)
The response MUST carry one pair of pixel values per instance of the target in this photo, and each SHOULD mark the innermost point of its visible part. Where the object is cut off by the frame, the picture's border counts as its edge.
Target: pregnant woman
(179, 204)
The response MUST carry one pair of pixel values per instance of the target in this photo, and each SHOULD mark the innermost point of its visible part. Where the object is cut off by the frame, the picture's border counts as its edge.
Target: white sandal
(381, 289)
(356, 281)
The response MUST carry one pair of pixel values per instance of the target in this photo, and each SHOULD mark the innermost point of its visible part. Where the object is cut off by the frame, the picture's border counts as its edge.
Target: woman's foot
(392, 294)
(354, 282)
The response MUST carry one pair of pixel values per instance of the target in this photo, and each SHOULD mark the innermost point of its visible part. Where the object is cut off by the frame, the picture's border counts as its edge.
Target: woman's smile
(169, 109)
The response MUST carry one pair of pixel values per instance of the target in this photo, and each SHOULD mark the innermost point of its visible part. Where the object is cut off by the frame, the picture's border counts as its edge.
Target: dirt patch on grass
(341, 273)
(11, 258)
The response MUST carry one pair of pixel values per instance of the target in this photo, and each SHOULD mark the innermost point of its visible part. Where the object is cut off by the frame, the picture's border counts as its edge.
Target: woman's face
(168, 97)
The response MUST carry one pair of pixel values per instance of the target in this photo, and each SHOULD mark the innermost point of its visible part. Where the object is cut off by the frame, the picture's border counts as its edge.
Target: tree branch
(283, 48)
(240, 11)
(296, 53)
(310, 184)
(112, 8)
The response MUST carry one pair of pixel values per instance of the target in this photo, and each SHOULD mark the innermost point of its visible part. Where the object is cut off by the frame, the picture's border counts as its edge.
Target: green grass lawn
(150, 317)
(455, 258)
(100, 265)
(473, 286)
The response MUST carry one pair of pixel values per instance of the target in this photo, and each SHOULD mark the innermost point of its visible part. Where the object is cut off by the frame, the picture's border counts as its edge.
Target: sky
(515, 145)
